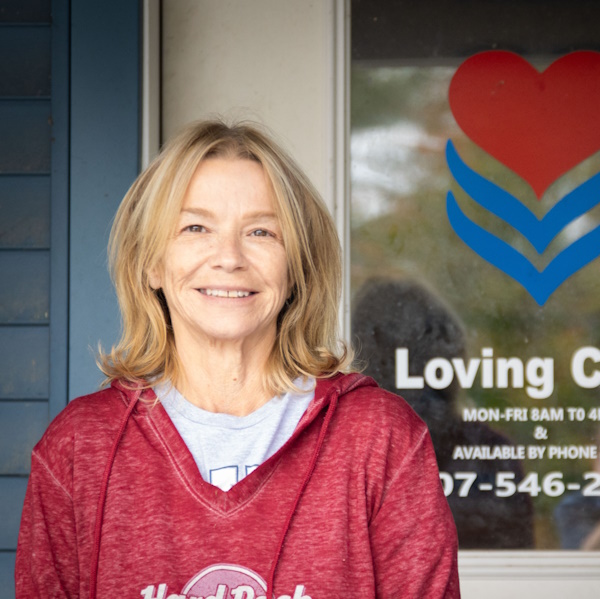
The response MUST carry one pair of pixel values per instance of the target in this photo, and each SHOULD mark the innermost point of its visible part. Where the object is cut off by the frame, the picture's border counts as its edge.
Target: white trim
(529, 565)
(340, 163)
(328, 18)
(150, 141)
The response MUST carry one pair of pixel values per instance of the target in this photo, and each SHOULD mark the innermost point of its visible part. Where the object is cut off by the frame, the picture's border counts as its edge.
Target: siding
(33, 256)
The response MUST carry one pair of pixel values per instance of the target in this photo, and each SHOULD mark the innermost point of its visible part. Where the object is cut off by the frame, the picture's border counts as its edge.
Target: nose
(228, 252)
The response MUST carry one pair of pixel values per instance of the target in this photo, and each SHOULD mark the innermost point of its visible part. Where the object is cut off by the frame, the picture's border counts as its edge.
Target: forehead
(226, 182)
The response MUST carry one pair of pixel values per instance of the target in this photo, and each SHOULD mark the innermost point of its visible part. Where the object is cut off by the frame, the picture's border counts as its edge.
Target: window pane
(505, 379)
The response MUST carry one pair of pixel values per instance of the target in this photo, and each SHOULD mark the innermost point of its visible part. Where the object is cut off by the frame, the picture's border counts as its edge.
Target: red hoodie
(351, 506)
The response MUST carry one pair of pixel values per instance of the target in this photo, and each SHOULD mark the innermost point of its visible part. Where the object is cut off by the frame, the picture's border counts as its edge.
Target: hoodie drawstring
(104, 489)
(102, 499)
(309, 471)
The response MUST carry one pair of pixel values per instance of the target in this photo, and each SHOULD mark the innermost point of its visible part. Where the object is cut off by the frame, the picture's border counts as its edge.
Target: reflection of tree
(381, 96)
(412, 236)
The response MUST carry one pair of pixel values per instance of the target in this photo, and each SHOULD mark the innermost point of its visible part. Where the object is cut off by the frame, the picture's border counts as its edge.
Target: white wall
(266, 60)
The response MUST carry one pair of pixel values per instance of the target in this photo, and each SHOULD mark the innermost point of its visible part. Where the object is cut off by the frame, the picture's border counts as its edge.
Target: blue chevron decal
(539, 232)
(505, 206)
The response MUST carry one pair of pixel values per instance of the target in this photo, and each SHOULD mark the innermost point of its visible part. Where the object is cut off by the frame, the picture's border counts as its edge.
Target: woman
(230, 458)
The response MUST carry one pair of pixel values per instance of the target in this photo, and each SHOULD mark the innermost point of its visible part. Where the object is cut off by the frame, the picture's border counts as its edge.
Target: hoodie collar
(327, 394)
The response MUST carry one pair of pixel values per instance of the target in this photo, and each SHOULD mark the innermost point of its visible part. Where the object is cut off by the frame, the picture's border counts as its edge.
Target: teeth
(225, 293)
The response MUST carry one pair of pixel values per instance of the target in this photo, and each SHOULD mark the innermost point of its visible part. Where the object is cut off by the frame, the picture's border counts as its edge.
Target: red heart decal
(539, 125)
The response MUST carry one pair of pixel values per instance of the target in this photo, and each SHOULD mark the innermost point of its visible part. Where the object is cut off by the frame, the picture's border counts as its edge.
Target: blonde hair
(307, 341)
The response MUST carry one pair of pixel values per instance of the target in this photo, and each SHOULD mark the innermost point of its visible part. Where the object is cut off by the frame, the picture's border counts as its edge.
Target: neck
(224, 377)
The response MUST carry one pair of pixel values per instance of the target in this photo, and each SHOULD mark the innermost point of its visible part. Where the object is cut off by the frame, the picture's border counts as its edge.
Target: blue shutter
(33, 256)
(69, 149)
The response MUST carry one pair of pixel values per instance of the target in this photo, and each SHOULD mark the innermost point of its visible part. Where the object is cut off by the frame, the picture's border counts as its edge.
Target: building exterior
(89, 90)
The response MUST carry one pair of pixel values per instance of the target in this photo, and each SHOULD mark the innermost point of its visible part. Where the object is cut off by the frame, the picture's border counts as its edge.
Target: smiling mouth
(226, 293)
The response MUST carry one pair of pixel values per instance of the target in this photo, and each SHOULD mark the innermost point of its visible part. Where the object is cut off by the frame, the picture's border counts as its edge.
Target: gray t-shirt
(226, 448)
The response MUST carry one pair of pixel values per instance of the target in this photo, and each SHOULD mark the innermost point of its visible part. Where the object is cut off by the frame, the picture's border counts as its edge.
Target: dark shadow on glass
(389, 314)
(577, 519)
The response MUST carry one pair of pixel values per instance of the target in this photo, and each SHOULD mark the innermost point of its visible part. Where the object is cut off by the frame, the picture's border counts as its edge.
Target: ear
(154, 278)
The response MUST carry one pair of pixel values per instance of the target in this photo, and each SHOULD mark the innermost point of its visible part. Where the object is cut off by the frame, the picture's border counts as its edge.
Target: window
(505, 373)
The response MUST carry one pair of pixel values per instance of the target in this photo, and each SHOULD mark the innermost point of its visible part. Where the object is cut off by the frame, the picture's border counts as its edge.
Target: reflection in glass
(425, 275)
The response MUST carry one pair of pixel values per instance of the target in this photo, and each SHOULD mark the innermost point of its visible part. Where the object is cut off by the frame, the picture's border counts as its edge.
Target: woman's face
(224, 273)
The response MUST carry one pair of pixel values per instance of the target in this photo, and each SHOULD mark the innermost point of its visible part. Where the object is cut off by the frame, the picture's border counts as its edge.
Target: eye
(195, 229)
(261, 233)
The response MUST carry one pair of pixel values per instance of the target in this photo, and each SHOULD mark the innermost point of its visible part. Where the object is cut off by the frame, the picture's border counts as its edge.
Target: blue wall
(105, 120)
(69, 148)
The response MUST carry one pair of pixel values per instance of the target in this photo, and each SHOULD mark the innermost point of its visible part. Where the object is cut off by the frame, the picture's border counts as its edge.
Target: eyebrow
(257, 215)
(196, 212)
